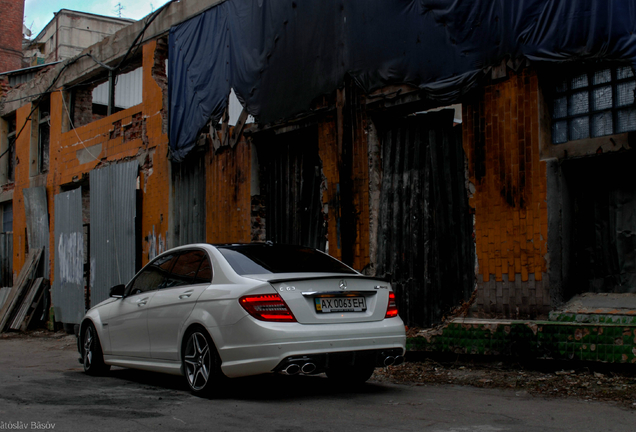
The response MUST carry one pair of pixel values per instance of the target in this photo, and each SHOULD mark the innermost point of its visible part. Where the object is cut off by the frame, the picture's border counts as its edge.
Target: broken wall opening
(599, 224)
(90, 100)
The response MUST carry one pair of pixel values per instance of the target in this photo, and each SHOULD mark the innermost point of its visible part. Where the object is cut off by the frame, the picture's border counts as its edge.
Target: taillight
(391, 309)
(267, 307)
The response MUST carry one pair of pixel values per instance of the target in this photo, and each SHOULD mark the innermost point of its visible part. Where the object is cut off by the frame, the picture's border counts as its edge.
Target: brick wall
(11, 34)
(501, 141)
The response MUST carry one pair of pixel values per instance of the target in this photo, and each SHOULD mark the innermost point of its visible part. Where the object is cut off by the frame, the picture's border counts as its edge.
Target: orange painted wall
(501, 141)
(328, 153)
(101, 140)
(22, 146)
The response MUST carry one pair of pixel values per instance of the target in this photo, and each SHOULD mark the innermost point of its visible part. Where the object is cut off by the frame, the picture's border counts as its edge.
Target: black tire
(350, 375)
(201, 363)
(92, 355)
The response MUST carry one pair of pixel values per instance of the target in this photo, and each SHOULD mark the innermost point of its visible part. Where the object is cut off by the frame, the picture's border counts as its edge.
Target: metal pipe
(308, 368)
(292, 369)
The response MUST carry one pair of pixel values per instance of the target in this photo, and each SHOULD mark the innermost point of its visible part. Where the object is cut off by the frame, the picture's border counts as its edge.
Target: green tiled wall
(541, 339)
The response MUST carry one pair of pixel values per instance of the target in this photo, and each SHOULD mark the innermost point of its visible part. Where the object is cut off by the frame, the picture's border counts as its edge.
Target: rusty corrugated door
(188, 201)
(68, 285)
(292, 175)
(425, 244)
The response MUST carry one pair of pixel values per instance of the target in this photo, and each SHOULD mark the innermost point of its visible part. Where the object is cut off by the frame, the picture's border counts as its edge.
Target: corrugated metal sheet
(292, 178)
(6, 259)
(4, 294)
(112, 231)
(425, 244)
(37, 222)
(128, 90)
(188, 200)
(15, 80)
(69, 283)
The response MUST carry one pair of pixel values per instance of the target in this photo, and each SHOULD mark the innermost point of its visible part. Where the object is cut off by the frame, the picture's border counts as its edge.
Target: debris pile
(577, 382)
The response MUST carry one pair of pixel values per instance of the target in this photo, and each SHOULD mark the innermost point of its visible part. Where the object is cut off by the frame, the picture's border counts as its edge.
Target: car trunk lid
(316, 298)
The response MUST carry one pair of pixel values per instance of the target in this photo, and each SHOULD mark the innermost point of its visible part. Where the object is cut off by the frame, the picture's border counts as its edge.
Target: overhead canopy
(281, 55)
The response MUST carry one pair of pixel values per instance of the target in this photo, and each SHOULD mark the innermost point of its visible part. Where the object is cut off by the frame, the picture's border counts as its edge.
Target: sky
(38, 13)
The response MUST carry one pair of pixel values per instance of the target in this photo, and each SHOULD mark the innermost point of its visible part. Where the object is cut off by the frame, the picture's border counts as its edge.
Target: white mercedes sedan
(214, 311)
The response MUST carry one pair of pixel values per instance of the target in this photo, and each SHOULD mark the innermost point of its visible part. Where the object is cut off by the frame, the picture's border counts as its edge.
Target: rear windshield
(265, 259)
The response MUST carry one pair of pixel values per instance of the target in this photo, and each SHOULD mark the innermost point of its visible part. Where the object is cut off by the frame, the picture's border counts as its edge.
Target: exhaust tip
(292, 369)
(389, 361)
(398, 360)
(308, 368)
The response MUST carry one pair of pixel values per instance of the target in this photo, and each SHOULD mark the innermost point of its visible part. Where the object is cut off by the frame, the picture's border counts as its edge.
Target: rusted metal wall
(6, 259)
(68, 285)
(228, 194)
(188, 186)
(37, 223)
(425, 243)
(291, 182)
(113, 211)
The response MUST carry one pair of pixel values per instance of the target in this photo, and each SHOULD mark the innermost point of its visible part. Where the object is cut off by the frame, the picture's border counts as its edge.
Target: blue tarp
(280, 55)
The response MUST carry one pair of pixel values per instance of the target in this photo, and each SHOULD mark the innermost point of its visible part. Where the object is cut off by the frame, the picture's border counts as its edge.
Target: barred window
(594, 104)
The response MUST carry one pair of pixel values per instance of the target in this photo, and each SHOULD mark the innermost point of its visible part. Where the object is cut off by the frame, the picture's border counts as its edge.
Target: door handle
(185, 295)
(142, 302)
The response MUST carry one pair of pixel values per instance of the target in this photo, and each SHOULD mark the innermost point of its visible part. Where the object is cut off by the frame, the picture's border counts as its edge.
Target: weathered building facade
(492, 208)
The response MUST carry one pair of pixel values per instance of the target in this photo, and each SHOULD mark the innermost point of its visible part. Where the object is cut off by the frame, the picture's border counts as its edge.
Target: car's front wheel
(92, 355)
(201, 363)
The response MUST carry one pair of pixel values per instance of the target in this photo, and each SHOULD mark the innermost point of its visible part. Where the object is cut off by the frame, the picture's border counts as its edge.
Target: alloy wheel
(198, 361)
(88, 347)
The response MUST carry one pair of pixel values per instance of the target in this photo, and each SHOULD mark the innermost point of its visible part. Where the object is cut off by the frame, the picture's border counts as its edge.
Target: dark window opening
(594, 104)
(9, 157)
(44, 133)
(602, 225)
(6, 245)
(7, 217)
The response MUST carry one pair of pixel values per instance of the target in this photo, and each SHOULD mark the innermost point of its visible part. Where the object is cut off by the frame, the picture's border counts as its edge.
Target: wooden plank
(26, 304)
(30, 266)
(38, 300)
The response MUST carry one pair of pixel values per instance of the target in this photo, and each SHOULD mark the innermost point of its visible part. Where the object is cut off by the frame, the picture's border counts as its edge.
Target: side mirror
(117, 291)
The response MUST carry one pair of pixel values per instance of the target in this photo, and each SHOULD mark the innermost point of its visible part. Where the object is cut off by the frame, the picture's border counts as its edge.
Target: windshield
(265, 259)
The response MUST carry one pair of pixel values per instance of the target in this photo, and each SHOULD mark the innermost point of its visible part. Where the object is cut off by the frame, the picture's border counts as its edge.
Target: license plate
(340, 304)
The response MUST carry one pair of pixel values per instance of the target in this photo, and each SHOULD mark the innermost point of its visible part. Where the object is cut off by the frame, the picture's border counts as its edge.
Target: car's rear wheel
(350, 375)
(92, 355)
(201, 363)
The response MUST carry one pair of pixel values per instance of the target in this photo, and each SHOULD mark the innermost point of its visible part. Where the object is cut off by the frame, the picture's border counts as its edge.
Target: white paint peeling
(70, 256)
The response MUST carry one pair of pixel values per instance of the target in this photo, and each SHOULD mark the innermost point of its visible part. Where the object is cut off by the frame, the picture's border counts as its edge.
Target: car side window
(153, 276)
(192, 267)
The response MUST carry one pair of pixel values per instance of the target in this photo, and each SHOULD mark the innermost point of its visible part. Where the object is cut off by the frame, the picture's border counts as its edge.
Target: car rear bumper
(255, 347)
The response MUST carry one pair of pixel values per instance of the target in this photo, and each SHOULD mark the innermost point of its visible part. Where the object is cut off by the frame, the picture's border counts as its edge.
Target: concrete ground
(43, 387)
